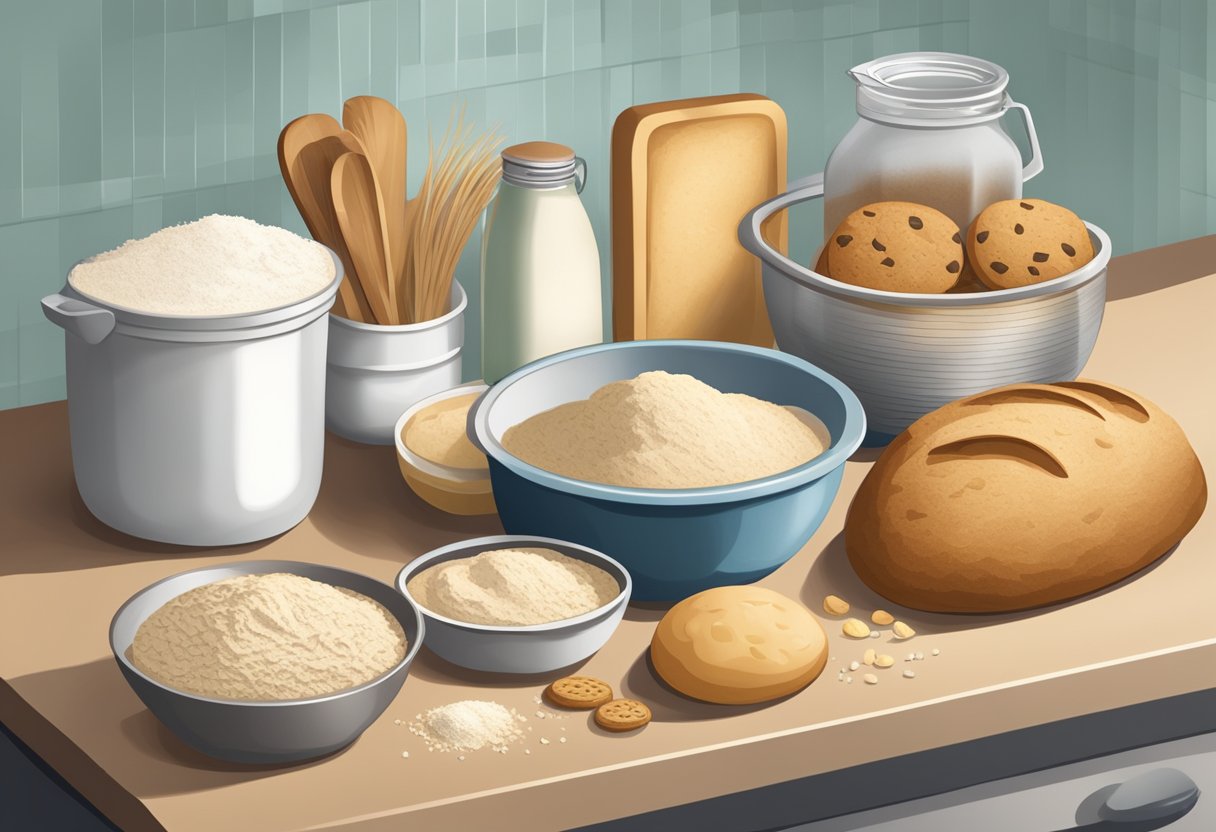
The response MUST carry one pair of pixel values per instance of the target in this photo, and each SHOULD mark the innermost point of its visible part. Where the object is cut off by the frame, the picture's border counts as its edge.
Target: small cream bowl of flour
(516, 604)
(267, 661)
(436, 458)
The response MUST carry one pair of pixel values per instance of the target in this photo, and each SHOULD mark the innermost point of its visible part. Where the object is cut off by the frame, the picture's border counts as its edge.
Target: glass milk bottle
(540, 267)
(929, 131)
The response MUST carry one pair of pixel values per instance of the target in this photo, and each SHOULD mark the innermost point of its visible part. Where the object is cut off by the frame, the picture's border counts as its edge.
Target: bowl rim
(811, 187)
(427, 466)
(807, 276)
(266, 567)
(489, 542)
(833, 456)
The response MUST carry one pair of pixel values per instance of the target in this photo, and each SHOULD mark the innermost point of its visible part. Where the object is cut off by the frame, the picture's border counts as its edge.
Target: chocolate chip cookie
(1017, 242)
(896, 247)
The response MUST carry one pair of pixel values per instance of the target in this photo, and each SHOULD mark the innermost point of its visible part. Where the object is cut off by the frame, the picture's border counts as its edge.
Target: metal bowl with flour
(275, 731)
(907, 354)
(534, 648)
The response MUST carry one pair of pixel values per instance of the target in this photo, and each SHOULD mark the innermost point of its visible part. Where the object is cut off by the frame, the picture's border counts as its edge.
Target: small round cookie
(622, 715)
(896, 247)
(736, 645)
(581, 692)
(1017, 242)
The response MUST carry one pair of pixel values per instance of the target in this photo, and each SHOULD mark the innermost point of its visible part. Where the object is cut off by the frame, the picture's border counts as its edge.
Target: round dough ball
(736, 645)
(1017, 242)
(896, 247)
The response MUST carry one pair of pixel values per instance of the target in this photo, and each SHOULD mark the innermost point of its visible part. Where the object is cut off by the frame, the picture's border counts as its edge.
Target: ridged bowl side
(903, 362)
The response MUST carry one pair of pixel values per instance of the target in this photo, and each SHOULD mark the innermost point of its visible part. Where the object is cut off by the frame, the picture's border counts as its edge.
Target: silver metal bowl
(536, 648)
(907, 354)
(273, 731)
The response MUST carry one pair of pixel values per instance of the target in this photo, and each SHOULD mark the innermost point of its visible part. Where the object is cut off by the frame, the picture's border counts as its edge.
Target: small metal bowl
(535, 648)
(279, 731)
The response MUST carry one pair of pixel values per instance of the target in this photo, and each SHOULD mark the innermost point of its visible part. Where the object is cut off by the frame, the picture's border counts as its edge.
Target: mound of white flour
(513, 587)
(660, 430)
(218, 265)
(268, 637)
(468, 725)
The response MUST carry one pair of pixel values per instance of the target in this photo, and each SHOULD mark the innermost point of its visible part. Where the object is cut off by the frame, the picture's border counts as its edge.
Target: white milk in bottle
(540, 267)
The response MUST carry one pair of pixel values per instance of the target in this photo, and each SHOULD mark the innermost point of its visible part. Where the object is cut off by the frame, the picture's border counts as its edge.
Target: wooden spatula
(358, 206)
(381, 128)
(308, 147)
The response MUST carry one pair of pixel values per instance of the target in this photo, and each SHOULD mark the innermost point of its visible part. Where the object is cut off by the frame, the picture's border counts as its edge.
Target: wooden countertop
(63, 574)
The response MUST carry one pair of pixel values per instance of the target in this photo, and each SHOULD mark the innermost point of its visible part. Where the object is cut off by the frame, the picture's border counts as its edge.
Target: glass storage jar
(929, 131)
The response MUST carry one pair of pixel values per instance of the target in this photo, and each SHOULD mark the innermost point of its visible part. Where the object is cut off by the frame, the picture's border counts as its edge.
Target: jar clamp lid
(541, 165)
(934, 89)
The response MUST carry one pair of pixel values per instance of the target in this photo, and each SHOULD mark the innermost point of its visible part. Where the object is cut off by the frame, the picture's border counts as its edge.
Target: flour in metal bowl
(268, 638)
(513, 587)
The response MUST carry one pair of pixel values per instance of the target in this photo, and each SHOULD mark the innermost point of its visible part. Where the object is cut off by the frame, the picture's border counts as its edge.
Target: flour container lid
(933, 88)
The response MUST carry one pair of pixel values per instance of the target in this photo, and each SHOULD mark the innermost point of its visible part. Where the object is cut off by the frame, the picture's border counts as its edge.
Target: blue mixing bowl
(674, 542)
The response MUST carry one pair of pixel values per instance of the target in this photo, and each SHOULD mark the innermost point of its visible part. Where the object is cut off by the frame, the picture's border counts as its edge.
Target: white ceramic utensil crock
(376, 371)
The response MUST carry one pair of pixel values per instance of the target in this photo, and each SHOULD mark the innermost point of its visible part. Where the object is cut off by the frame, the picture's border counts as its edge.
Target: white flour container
(196, 430)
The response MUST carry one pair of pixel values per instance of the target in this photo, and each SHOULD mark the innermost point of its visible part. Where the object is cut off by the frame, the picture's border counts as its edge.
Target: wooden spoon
(359, 208)
(381, 128)
(308, 147)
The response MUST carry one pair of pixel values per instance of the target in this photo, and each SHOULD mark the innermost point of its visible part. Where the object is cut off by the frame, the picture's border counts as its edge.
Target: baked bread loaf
(1022, 496)
(896, 247)
(738, 644)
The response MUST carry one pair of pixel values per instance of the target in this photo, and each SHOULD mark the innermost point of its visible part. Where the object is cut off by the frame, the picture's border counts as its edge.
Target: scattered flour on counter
(468, 725)
(268, 637)
(660, 430)
(218, 265)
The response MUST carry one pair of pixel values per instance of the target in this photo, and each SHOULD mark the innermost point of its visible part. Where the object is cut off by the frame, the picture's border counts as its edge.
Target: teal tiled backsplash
(118, 117)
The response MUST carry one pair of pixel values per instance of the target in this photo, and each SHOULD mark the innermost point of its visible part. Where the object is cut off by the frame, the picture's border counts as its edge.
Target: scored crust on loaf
(1023, 496)
(738, 645)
